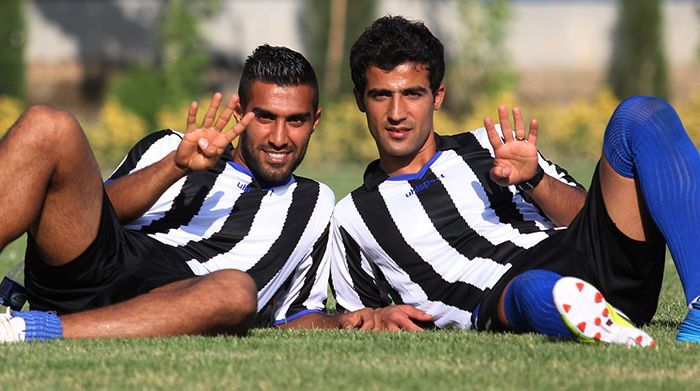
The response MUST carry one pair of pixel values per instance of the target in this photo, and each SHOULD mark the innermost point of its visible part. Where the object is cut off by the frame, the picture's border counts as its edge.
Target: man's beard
(264, 172)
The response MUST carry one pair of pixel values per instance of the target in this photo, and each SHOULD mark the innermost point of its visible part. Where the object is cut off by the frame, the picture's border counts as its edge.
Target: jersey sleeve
(147, 151)
(308, 288)
(557, 172)
(353, 279)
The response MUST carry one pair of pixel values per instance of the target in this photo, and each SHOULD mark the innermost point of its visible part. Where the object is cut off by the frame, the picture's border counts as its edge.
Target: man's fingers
(227, 113)
(240, 126)
(415, 313)
(351, 321)
(500, 174)
(192, 118)
(211, 112)
(494, 138)
(519, 126)
(532, 136)
(367, 325)
(505, 123)
(208, 149)
(408, 325)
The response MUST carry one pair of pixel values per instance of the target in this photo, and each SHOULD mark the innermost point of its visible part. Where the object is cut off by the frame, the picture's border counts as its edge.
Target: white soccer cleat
(12, 328)
(592, 319)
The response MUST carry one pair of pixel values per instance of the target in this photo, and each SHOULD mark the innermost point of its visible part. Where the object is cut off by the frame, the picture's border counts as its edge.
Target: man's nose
(279, 136)
(397, 110)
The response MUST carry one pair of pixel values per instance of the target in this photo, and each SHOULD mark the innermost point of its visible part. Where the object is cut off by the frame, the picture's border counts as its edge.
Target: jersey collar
(265, 185)
(374, 175)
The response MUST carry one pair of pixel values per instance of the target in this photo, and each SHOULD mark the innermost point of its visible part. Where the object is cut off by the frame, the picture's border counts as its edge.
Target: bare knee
(44, 125)
(236, 299)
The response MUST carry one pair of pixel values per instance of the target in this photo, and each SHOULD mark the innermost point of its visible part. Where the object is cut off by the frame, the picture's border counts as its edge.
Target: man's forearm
(132, 195)
(315, 320)
(559, 201)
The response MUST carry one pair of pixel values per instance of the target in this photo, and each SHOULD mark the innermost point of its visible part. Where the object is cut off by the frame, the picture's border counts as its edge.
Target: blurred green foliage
(478, 68)
(638, 64)
(12, 41)
(315, 24)
(116, 130)
(179, 75)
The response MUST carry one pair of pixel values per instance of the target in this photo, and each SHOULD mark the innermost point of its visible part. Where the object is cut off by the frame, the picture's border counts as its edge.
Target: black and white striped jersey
(438, 239)
(223, 219)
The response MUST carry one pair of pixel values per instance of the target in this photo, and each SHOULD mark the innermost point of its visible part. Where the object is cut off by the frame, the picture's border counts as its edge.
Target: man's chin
(273, 175)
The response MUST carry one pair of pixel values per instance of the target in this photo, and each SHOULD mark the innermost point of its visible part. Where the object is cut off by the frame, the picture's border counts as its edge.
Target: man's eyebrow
(385, 91)
(263, 113)
(259, 112)
(414, 90)
(378, 91)
(299, 116)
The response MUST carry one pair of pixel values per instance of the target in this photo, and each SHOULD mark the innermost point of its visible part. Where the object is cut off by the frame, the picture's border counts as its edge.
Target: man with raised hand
(479, 231)
(161, 248)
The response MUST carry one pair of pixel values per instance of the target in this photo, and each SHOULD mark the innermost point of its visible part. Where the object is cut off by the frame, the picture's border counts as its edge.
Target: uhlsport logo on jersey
(423, 185)
(244, 186)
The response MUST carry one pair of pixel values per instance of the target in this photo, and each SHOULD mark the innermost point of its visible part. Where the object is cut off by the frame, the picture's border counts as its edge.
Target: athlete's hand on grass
(400, 317)
(362, 319)
(202, 146)
(392, 318)
(516, 158)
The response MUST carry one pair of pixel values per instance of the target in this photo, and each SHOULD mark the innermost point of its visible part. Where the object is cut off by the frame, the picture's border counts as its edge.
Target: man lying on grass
(481, 232)
(160, 248)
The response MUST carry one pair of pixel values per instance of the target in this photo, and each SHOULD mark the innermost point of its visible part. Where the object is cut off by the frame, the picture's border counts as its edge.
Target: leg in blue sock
(18, 326)
(529, 305)
(645, 140)
(544, 302)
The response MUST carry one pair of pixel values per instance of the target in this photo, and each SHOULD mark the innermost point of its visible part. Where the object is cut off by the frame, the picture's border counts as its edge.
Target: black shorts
(628, 272)
(118, 265)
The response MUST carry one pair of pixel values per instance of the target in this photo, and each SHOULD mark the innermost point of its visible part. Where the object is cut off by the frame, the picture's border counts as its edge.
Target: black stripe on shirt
(370, 293)
(450, 224)
(235, 228)
(299, 214)
(137, 151)
(376, 216)
(500, 198)
(189, 200)
(317, 252)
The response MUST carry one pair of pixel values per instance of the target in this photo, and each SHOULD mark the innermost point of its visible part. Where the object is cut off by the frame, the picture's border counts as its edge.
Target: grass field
(275, 359)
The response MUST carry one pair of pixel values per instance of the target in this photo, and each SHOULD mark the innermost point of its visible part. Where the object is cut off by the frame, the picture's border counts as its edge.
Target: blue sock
(529, 304)
(646, 140)
(40, 325)
(689, 330)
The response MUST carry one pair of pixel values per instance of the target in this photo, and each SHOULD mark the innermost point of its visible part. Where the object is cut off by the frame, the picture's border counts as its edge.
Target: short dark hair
(276, 65)
(391, 41)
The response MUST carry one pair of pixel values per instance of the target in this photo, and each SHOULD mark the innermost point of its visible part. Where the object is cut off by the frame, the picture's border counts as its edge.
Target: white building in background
(559, 47)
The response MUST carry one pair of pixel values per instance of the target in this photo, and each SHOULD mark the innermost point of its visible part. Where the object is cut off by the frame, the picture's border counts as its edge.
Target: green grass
(275, 359)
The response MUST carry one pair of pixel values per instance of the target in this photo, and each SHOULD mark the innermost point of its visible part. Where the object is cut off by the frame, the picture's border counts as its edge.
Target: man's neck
(410, 164)
(404, 165)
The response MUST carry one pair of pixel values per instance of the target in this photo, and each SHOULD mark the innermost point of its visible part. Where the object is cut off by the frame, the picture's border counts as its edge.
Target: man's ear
(317, 118)
(358, 99)
(439, 96)
(238, 111)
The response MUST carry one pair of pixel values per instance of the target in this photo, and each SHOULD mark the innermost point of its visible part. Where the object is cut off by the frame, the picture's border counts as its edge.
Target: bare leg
(625, 207)
(624, 204)
(223, 302)
(50, 184)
